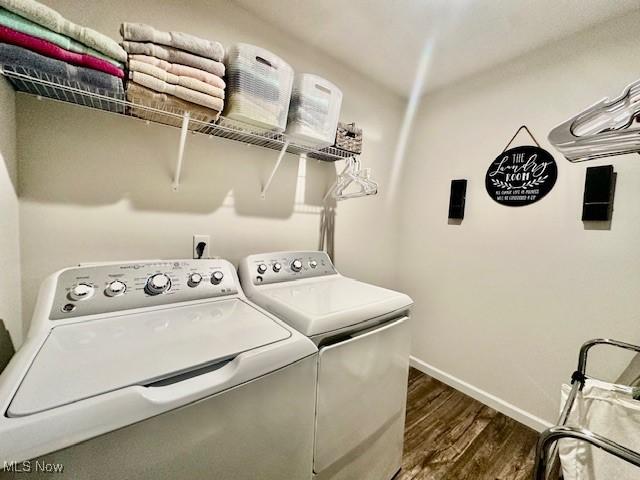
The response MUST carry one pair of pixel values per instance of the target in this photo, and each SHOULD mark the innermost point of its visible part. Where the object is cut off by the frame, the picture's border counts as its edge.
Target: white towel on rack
(174, 55)
(608, 410)
(181, 70)
(187, 82)
(184, 93)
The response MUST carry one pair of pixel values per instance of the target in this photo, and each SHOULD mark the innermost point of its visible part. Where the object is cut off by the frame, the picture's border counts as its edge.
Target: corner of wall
(10, 268)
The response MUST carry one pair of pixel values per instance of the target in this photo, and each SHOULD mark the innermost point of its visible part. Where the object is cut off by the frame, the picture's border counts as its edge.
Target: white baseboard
(484, 397)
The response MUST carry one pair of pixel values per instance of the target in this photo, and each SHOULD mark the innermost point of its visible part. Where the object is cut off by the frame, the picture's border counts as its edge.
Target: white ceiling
(383, 39)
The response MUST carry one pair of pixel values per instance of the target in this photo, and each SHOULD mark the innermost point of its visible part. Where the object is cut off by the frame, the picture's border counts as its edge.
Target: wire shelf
(42, 85)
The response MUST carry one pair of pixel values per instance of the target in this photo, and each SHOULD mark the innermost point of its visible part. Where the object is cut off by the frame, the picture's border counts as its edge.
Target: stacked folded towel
(38, 41)
(174, 70)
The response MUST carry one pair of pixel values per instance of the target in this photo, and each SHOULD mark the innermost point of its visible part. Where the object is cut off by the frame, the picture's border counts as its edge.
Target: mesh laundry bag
(608, 410)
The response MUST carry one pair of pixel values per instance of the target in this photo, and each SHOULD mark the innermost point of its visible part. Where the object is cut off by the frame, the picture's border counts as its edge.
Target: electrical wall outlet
(197, 239)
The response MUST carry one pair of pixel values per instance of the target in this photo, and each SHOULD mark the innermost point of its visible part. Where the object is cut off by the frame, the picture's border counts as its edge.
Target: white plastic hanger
(603, 130)
(340, 179)
(353, 175)
(362, 180)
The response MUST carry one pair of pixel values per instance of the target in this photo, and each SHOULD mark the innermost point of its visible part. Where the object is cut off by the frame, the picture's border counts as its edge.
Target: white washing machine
(363, 336)
(157, 370)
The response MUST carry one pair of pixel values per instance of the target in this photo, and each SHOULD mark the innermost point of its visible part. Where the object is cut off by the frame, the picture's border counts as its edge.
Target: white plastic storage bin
(258, 87)
(314, 111)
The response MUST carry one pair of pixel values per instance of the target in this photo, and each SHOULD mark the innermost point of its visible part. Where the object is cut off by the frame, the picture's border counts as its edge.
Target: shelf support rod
(265, 187)
(183, 140)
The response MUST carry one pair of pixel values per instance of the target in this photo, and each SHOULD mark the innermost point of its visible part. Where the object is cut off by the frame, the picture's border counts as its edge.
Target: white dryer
(157, 370)
(363, 336)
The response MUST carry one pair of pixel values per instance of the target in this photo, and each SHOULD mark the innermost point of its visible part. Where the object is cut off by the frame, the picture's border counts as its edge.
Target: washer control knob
(277, 267)
(115, 288)
(194, 280)
(296, 265)
(313, 264)
(157, 284)
(81, 291)
(216, 277)
(262, 268)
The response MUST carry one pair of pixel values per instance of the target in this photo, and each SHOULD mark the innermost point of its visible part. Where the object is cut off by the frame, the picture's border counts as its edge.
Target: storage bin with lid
(314, 111)
(258, 87)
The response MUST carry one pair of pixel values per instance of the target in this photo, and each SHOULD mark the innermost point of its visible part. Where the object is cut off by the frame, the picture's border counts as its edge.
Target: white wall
(10, 300)
(504, 300)
(96, 186)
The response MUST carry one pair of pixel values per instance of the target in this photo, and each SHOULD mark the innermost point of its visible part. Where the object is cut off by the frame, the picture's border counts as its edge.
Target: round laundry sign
(521, 176)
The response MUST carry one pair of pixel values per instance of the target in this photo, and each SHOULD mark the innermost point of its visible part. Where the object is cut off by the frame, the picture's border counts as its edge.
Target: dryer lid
(318, 306)
(86, 359)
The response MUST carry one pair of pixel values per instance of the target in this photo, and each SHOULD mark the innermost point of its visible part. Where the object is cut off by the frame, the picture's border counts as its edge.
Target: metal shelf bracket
(183, 139)
(265, 187)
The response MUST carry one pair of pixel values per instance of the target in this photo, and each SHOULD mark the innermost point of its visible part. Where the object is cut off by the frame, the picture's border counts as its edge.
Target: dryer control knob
(82, 291)
(277, 267)
(296, 265)
(194, 280)
(216, 277)
(115, 288)
(262, 268)
(313, 264)
(157, 284)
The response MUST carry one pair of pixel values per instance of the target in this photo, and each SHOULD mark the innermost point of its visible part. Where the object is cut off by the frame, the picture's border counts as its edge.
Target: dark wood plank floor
(450, 436)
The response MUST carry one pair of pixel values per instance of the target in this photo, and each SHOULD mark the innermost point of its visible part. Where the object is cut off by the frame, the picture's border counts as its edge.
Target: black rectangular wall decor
(598, 194)
(457, 199)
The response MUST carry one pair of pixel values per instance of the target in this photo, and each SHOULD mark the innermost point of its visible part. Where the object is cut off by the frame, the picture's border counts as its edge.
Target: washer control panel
(286, 266)
(95, 289)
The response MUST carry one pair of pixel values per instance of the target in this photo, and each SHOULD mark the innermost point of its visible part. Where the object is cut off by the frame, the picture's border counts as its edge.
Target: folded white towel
(165, 76)
(181, 70)
(255, 111)
(184, 93)
(174, 55)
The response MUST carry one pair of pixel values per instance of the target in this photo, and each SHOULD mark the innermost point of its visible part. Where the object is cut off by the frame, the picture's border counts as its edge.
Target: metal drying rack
(43, 86)
(547, 448)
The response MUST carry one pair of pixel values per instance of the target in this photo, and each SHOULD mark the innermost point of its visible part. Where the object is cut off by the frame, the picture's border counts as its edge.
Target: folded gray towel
(139, 32)
(173, 55)
(21, 60)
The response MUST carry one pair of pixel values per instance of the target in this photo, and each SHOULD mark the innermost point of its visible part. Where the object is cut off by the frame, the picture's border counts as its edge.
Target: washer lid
(330, 303)
(86, 359)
